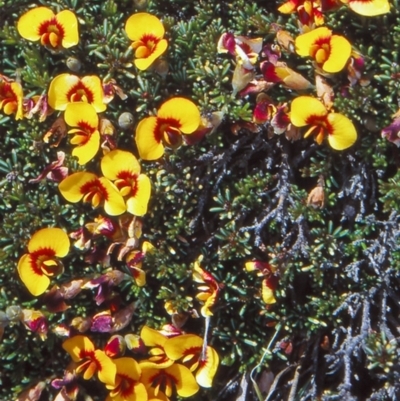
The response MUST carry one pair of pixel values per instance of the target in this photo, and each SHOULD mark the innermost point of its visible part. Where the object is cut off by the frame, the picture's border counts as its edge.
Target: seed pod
(126, 120)
(74, 64)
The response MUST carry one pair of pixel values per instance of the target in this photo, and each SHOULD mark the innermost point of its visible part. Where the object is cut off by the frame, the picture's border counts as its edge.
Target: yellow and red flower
(337, 128)
(175, 117)
(123, 169)
(127, 386)
(368, 8)
(162, 382)
(36, 267)
(330, 52)
(11, 97)
(84, 118)
(68, 88)
(134, 261)
(269, 282)
(93, 190)
(209, 289)
(147, 33)
(90, 360)
(189, 348)
(54, 31)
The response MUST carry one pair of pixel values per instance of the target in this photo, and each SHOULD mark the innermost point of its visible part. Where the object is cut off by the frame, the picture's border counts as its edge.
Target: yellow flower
(127, 385)
(189, 348)
(337, 128)
(147, 33)
(54, 31)
(123, 169)
(68, 88)
(11, 97)
(84, 118)
(36, 267)
(90, 360)
(368, 8)
(330, 52)
(93, 190)
(175, 117)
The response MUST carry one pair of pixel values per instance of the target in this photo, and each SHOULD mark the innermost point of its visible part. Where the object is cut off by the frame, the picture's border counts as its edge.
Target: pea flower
(134, 261)
(84, 118)
(368, 8)
(68, 88)
(209, 289)
(147, 33)
(308, 11)
(41, 262)
(269, 282)
(330, 52)
(189, 348)
(94, 190)
(54, 31)
(176, 376)
(11, 97)
(123, 169)
(175, 117)
(337, 128)
(90, 360)
(127, 386)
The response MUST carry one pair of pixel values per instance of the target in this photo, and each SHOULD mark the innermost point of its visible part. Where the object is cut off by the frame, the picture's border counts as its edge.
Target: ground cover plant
(199, 200)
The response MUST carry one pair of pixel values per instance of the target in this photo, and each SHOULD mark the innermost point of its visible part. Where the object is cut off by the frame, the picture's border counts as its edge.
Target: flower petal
(369, 8)
(86, 152)
(69, 22)
(59, 88)
(78, 347)
(149, 145)
(185, 382)
(107, 369)
(81, 113)
(304, 107)
(306, 40)
(179, 346)
(208, 368)
(29, 23)
(53, 238)
(70, 187)
(343, 133)
(141, 24)
(94, 85)
(182, 110)
(159, 49)
(137, 205)
(114, 205)
(119, 160)
(340, 52)
(36, 283)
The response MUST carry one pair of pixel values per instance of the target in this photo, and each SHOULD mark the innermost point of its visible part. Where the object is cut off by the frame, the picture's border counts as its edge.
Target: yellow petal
(107, 369)
(370, 8)
(208, 368)
(137, 204)
(147, 139)
(159, 49)
(87, 151)
(70, 187)
(36, 283)
(304, 107)
(79, 114)
(288, 7)
(185, 382)
(29, 23)
(59, 88)
(152, 337)
(50, 238)
(114, 204)
(182, 110)
(119, 160)
(343, 133)
(69, 22)
(75, 345)
(141, 24)
(128, 367)
(94, 85)
(340, 51)
(267, 294)
(306, 40)
(179, 346)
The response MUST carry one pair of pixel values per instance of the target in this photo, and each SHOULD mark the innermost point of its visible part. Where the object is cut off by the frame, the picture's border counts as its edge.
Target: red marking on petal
(79, 92)
(94, 187)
